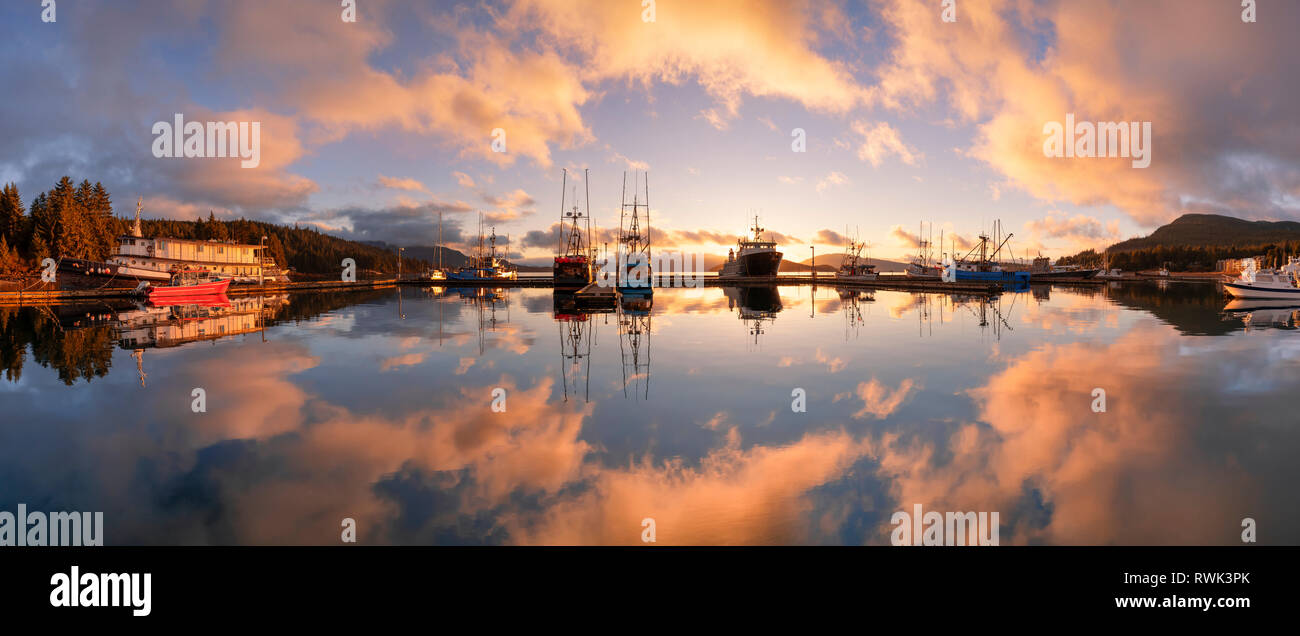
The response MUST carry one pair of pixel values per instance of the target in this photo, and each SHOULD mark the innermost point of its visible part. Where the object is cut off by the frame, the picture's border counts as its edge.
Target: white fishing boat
(854, 267)
(1266, 283)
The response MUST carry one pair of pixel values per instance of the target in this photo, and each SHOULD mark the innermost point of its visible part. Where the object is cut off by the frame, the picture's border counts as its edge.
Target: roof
(196, 241)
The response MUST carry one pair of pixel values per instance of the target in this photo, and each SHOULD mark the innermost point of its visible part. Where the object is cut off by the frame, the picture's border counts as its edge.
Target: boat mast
(586, 188)
(564, 188)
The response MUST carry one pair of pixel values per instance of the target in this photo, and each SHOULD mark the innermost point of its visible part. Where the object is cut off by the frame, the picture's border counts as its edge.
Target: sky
(371, 128)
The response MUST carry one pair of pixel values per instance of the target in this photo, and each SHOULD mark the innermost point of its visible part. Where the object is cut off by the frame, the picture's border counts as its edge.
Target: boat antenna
(586, 186)
(564, 187)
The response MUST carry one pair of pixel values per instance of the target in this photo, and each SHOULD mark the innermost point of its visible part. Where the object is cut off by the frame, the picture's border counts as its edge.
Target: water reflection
(754, 305)
(1264, 314)
(376, 406)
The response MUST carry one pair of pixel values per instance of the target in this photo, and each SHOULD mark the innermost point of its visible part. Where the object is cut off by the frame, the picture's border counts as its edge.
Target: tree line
(77, 221)
(1185, 258)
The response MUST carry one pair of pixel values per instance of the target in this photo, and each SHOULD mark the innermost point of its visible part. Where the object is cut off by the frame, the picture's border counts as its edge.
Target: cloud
(463, 180)
(398, 183)
(830, 237)
(881, 141)
(1153, 469)
(754, 495)
(904, 238)
(878, 401)
(396, 225)
(1221, 143)
(1081, 231)
(834, 178)
(732, 48)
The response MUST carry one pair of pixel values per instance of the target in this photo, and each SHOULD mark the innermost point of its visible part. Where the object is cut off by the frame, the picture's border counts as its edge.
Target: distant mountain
(429, 253)
(451, 259)
(1197, 243)
(826, 263)
(833, 261)
(1212, 230)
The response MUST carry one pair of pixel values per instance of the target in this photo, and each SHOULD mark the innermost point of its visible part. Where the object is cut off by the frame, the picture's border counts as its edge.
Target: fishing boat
(1042, 269)
(195, 284)
(752, 257)
(1282, 283)
(572, 268)
(635, 277)
(854, 267)
(923, 264)
(986, 267)
(484, 265)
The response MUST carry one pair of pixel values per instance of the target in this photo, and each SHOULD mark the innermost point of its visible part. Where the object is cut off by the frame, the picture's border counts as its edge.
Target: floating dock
(594, 296)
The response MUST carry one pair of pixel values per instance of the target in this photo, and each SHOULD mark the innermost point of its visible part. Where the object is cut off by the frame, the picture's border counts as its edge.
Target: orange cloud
(1135, 474)
(992, 69)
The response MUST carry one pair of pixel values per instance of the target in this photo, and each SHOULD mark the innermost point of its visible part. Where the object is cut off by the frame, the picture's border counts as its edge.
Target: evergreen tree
(44, 228)
(10, 265)
(107, 227)
(12, 217)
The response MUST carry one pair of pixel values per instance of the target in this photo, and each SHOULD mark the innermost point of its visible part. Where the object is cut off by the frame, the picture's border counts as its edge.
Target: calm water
(377, 407)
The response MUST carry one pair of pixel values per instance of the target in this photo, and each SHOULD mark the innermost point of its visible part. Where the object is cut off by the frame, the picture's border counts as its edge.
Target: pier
(887, 282)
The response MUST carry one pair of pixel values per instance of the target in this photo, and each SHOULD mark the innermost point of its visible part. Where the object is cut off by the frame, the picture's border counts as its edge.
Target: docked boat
(985, 267)
(752, 257)
(1042, 269)
(572, 267)
(923, 265)
(157, 258)
(190, 284)
(77, 273)
(485, 265)
(854, 267)
(635, 276)
(1256, 283)
(438, 273)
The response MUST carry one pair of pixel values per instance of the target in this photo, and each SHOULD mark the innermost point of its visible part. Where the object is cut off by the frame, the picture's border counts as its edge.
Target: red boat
(189, 284)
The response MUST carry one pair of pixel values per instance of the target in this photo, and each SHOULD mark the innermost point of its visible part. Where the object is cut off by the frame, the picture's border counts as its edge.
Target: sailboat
(439, 273)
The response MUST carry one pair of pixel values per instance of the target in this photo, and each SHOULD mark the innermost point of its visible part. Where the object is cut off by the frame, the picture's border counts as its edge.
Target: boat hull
(184, 292)
(477, 275)
(993, 277)
(1081, 273)
(1244, 290)
(76, 273)
(571, 274)
(758, 263)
